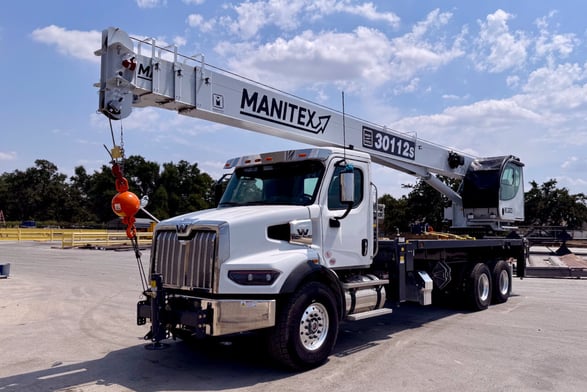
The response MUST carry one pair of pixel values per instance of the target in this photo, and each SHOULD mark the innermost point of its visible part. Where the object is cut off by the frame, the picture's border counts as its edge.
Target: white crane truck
(292, 249)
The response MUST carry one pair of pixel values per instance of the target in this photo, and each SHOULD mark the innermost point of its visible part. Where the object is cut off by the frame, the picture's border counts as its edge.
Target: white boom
(193, 88)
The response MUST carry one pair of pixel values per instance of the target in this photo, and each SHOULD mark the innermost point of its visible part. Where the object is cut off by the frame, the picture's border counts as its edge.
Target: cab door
(347, 241)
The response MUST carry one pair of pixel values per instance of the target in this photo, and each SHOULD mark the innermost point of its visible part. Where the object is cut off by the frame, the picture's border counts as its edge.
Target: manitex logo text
(281, 112)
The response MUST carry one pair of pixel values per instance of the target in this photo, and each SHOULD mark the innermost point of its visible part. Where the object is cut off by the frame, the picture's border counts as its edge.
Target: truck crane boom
(166, 79)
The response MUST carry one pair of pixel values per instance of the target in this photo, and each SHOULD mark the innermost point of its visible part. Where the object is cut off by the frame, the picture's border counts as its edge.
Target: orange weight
(126, 204)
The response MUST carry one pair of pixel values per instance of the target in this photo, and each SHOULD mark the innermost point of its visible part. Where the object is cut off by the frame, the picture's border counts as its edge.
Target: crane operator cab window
(510, 181)
(334, 191)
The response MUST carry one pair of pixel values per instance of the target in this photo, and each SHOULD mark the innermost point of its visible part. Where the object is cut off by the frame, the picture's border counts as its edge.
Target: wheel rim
(314, 326)
(504, 282)
(483, 287)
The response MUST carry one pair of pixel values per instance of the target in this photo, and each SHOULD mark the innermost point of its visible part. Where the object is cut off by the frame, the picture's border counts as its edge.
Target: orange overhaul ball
(125, 204)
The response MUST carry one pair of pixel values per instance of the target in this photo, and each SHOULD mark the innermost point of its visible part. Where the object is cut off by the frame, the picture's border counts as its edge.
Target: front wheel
(306, 328)
(479, 287)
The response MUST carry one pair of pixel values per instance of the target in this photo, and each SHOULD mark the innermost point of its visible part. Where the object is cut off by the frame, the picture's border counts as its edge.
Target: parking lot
(67, 322)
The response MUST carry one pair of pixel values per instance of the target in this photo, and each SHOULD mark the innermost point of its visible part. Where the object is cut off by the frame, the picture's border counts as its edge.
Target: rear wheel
(502, 282)
(479, 287)
(306, 328)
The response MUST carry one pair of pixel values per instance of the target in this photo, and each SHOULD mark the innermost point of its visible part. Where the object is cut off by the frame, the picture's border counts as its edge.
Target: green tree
(547, 205)
(39, 193)
(426, 205)
(395, 220)
(100, 189)
(187, 188)
(79, 196)
(143, 176)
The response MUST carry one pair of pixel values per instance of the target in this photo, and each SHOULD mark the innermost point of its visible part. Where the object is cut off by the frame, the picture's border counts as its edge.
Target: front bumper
(207, 317)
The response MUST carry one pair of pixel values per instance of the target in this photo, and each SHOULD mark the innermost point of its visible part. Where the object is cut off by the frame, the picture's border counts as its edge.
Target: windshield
(291, 183)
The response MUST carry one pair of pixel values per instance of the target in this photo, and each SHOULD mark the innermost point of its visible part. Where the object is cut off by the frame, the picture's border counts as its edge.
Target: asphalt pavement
(67, 323)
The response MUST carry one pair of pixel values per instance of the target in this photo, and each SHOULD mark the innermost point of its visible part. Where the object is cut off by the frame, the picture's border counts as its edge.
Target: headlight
(253, 277)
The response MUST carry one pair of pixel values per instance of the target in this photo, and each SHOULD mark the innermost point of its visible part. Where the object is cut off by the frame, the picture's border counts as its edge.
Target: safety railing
(71, 238)
(32, 234)
(107, 239)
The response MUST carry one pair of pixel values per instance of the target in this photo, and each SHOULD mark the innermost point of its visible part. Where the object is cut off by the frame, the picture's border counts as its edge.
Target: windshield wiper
(228, 203)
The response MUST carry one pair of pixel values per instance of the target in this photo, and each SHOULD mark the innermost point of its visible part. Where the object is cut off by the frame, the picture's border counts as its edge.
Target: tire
(502, 282)
(306, 328)
(479, 287)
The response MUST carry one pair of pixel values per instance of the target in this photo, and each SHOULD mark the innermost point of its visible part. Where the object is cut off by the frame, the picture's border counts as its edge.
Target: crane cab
(493, 191)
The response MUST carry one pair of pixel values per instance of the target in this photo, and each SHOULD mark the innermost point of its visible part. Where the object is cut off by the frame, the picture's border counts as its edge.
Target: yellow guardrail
(71, 238)
(108, 239)
(32, 234)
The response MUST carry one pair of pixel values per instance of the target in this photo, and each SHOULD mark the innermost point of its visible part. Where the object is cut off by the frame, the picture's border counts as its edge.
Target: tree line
(545, 205)
(43, 194)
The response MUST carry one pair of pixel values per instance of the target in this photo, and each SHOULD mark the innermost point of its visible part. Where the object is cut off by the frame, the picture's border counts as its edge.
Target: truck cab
(341, 231)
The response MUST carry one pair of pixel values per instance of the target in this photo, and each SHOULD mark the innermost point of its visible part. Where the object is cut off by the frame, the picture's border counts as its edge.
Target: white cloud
(569, 162)
(362, 58)
(150, 3)
(7, 155)
(73, 43)
(561, 77)
(193, 2)
(314, 58)
(320, 8)
(251, 17)
(423, 48)
(287, 15)
(197, 20)
(497, 48)
(369, 11)
(571, 183)
(179, 41)
(550, 44)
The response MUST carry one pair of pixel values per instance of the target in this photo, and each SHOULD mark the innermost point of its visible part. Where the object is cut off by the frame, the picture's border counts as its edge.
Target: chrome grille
(186, 264)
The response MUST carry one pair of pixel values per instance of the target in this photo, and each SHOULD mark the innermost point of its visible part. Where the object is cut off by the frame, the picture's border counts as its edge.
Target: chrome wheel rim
(504, 282)
(314, 326)
(483, 287)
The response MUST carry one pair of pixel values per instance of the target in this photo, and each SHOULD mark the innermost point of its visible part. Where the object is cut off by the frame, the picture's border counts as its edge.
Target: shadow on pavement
(210, 365)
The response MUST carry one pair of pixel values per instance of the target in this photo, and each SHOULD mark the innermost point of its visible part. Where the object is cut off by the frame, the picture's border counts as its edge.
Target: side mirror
(347, 193)
(347, 185)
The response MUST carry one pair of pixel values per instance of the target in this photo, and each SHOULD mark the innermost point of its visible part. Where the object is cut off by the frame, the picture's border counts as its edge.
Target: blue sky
(487, 78)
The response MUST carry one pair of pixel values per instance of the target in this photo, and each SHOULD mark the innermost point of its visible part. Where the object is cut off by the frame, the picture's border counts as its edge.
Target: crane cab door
(511, 192)
(493, 190)
(347, 238)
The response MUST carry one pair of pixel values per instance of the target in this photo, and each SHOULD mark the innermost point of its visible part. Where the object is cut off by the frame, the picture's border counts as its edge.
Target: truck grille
(186, 264)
